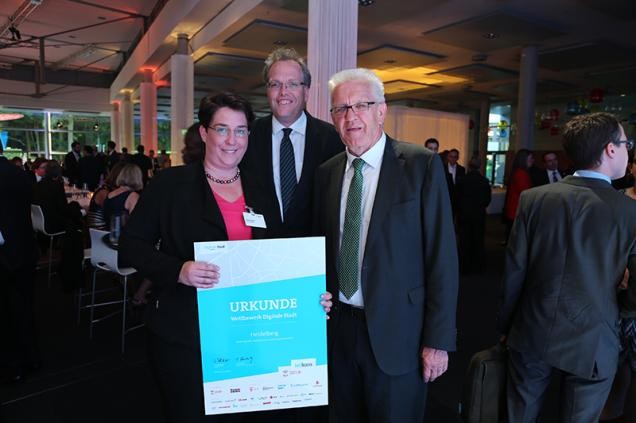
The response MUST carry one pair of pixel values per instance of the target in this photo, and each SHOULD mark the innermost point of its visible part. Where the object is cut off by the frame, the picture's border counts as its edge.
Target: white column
(527, 95)
(127, 126)
(182, 97)
(331, 47)
(115, 124)
(148, 108)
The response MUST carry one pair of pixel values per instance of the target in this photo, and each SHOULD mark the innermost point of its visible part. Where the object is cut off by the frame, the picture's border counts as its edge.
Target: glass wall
(499, 122)
(50, 134)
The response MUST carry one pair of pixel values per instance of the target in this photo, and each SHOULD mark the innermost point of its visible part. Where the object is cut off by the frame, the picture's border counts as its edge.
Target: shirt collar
(593, 174)
(298, 126)
(373, 156)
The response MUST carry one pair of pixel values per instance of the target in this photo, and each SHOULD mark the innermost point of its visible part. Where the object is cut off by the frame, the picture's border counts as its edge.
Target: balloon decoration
(596, 95)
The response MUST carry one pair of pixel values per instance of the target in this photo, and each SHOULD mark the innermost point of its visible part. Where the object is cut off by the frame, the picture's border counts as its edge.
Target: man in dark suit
(112, 156)
(473, 196)
(454, 174)
(144, 163)
(286, 148)
(391, 260)
(568, 249)
(550, 174)
(71, 163)
(18, 257)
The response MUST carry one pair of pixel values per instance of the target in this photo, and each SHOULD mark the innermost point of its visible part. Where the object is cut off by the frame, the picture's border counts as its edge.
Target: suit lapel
(209, 209)
(390, 179)
(312, 147)
(333, 196)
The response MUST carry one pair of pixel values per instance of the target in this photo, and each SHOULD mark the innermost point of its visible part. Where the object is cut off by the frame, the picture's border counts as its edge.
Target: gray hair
(286, 53)
(358, 74)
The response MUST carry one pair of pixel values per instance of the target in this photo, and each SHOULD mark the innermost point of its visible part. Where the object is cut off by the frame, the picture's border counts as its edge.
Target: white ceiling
(435, 51)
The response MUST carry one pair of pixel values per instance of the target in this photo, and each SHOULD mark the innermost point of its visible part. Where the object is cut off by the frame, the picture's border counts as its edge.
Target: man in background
(567, 253)
(432, 144)
(71, 164)
(286, 147)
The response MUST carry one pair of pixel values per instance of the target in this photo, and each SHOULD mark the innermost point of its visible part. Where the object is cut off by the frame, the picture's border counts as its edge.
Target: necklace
(224, 181)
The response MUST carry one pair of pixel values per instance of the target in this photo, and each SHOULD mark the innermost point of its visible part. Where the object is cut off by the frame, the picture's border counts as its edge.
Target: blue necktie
(555, 178)
(287, 171)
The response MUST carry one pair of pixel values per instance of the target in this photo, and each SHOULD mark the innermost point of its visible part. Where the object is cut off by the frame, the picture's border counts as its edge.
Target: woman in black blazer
(180, 206)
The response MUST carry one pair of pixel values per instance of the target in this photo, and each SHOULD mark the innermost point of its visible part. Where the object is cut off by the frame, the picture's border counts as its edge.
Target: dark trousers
(177, 371)
(581, 400)
(471, 244)
(16, 301)
(362, 392)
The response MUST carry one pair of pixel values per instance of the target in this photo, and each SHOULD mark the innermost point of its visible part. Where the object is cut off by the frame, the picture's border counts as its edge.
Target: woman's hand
(199, 274)
(325, 302)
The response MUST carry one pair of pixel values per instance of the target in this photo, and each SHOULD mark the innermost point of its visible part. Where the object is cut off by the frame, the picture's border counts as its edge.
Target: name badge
(254, 220)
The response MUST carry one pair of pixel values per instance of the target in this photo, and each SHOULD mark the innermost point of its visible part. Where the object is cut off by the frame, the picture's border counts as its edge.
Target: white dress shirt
(558, 175)
(297, 137)
(452, 169)
(370, 174)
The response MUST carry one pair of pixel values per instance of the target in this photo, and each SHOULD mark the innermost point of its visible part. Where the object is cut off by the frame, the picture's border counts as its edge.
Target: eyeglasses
(289, 85)
(224, 131)
(360, 107)
(628, 143)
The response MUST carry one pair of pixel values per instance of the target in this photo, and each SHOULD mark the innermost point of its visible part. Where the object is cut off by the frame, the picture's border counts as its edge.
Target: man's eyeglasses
(224, 131)
(289, 85)
(628, 143)
(360, 107)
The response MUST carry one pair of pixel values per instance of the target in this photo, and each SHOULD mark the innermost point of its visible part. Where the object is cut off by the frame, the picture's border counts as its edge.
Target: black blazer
(49, 195)
(19, 247)
(409, 269)
(71, 168)
(176, 210)
(473, 196)
(540, 176)
(321, 143)
(559, 301)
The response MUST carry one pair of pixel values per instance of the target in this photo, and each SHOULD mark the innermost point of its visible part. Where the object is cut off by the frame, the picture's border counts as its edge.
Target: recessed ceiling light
(365, 2)
(623, 95)
(490, 35)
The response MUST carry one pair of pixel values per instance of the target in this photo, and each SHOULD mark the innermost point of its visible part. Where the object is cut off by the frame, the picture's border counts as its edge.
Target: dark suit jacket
(409, 269)
(19, 247)
(460, 173)
(71, 168)
(567, 252)
(50, 196)
(321, 143)
(473, 196)
(178, 209)
(540, 176)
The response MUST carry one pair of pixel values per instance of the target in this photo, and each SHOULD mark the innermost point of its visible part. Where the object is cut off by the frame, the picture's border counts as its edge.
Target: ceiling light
(490, 35)
(365, 2)
(96, 127)
(10, 116)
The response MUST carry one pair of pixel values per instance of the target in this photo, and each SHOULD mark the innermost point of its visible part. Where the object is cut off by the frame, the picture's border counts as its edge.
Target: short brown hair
(585, 137)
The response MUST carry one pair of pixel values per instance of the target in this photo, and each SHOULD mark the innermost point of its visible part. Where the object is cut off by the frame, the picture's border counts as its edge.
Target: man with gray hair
(286, 147)
(391, 260)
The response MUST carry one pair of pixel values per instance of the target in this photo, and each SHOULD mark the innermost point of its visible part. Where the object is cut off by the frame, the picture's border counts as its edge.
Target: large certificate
(263, 330)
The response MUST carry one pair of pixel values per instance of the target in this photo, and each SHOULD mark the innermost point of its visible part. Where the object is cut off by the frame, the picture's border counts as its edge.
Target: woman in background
(518, 182)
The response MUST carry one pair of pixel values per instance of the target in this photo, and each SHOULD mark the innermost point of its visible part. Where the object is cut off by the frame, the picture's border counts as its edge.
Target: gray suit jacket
(568, 249)
(409, 269)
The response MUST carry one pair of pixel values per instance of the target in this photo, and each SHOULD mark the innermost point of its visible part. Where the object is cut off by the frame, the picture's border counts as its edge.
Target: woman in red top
(518, 182)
